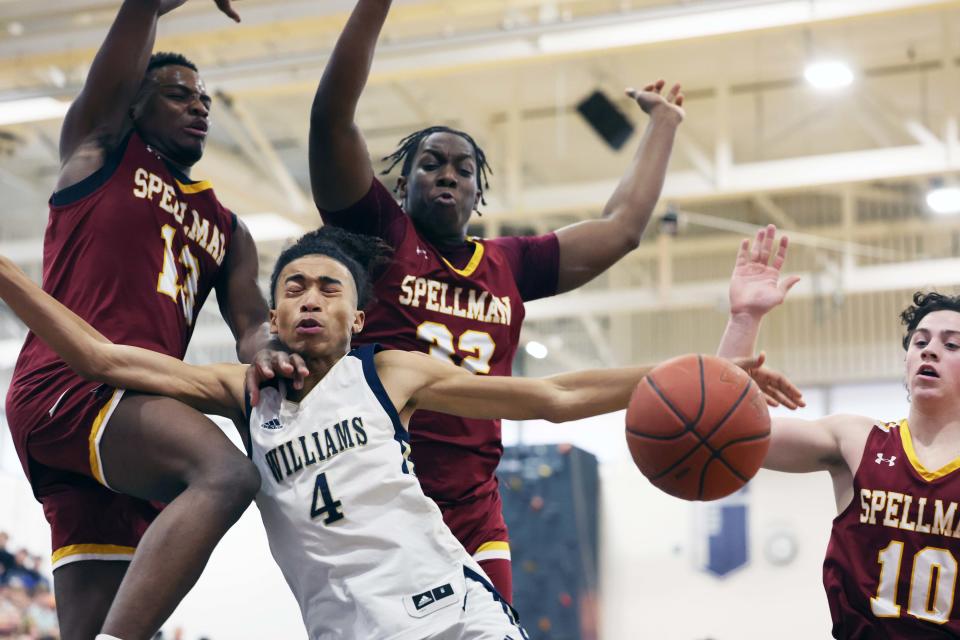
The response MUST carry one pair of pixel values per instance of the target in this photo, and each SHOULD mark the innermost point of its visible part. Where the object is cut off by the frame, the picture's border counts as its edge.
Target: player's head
(443, 174)
(171, 111)
(319, 288)
(932, 343)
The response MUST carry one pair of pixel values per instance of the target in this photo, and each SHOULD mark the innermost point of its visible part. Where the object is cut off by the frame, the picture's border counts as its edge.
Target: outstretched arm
(756, 288)
(833, 443)
(340, 169)
(100, 112)
(419, 381)
(212, 389)
(589, 248)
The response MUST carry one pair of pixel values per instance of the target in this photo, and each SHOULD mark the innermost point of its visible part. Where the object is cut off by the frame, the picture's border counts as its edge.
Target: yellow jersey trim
(98, 549)
(195, 187)
(94, 432)
(494, 546)
(925, 473)
(468, 270)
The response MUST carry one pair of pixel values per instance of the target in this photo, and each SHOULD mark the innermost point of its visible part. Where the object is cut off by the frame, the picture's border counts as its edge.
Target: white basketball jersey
(365, 552)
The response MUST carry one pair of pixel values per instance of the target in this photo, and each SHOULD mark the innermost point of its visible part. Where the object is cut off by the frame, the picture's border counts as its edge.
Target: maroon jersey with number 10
(891, 566)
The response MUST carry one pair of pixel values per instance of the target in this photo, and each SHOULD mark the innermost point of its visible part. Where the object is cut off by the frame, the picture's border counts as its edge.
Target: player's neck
(934, 424)
(319, 367)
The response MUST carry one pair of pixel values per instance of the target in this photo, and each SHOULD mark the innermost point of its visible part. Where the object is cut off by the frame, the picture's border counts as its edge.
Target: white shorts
(484, 615)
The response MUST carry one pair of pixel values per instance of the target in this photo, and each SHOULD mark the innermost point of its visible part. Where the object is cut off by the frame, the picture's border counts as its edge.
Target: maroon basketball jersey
(468, 314)
(891, 565)
(134, 250)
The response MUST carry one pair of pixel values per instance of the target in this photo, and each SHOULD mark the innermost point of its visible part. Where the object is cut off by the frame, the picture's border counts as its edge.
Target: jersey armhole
(86, 187)
(247, 413)
(400, 434)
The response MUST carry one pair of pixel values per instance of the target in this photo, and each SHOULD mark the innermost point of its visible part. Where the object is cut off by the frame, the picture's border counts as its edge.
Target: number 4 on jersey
(331, 508)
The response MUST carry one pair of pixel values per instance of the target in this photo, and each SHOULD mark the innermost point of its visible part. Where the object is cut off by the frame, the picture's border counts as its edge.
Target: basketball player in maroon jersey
(458, 298)
(134, 246)
(891, 566)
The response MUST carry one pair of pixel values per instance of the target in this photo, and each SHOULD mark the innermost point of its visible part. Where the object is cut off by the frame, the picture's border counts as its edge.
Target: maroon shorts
(57, 431)
(479, 527)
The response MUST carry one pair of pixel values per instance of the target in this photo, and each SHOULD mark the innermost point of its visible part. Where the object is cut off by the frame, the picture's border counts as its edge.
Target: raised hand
(756, 286)
(166, 6)
(777, 389)
(652, 100)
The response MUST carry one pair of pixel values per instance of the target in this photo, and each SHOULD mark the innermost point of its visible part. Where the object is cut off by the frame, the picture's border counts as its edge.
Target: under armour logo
(421, 252)
(889, 461)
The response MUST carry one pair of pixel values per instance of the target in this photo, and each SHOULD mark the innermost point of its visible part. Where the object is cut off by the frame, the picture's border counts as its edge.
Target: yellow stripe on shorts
(105, 411)
(75, 552)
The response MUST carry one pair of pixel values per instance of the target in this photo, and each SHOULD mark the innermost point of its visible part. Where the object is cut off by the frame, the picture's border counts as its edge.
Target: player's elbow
(95, 364)
(91, 365)
(557, 405)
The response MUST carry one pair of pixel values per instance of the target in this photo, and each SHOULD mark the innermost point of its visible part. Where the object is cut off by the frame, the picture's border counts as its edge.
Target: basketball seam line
(716, 454)
(691, 428)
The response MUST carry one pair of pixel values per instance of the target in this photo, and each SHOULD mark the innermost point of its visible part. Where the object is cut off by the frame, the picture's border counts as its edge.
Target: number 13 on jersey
(168, 281)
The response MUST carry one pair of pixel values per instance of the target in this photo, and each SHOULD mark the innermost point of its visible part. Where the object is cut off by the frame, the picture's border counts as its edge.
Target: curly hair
(925, 303)
(361, 255)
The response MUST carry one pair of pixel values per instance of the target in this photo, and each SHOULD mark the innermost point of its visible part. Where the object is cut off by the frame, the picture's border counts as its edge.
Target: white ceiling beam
(297, 203)
(746, 179)
(922, 274)
(774, 211)
(425, 55)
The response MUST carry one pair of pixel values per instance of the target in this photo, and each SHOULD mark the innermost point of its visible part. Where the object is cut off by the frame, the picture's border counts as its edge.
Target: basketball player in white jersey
(365, 552)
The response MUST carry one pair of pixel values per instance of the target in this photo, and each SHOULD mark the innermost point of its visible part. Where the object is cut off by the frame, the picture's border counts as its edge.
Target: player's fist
(654, 103)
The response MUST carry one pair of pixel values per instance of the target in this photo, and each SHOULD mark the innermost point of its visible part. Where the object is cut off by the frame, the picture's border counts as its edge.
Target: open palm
(756, 286)
(166, 6)
(652, 98)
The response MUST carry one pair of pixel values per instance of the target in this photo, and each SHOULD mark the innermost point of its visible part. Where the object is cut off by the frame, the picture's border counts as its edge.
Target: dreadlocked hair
(361, 255)
(408, 146)
(167, 58)
(925, 303)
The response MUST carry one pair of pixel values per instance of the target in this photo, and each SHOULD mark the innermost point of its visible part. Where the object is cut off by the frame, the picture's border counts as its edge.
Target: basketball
(698, 427)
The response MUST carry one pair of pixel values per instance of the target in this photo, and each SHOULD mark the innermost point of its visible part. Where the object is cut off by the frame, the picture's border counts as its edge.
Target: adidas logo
(425, 599)
(272, 425)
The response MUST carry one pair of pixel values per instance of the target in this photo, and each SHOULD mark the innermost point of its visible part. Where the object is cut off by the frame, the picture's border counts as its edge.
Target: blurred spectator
(41, 616)
(27, 608)
(6, 558)
(21, 574)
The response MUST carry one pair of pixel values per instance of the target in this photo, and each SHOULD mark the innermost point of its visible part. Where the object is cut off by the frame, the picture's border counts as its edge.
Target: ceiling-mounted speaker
(606, 119)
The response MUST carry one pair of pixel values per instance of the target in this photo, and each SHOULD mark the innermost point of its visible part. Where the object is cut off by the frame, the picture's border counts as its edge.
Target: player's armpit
(802, 446)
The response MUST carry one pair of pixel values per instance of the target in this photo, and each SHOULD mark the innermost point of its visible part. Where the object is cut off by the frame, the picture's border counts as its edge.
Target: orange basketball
(698, 427)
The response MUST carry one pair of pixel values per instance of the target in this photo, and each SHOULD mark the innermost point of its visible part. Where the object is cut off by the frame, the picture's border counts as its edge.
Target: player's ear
(358, 320)
(274, 329)
(401, 189)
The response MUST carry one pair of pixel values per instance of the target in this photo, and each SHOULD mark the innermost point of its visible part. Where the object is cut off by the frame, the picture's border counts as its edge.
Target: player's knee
(235, 479)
